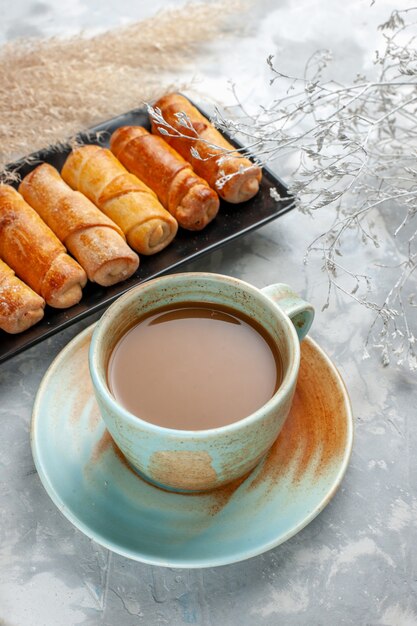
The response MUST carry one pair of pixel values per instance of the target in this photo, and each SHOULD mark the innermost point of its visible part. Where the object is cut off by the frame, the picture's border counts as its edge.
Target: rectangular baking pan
(232, 221)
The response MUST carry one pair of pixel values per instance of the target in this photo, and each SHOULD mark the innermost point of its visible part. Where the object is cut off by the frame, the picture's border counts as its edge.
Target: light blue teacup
(199, 460)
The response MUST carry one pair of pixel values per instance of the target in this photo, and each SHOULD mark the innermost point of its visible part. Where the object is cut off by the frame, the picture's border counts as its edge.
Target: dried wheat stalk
(54, 88)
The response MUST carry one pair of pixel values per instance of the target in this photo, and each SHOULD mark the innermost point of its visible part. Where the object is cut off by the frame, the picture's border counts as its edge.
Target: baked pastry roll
(20, 307)
(185, 195)
(219, 160)
(37, 256)
(121, 196)
(93, 239)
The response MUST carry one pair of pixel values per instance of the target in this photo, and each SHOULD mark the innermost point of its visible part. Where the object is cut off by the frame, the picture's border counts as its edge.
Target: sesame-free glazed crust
(187, 196)
(37, 256)
(93, 239)
(217, 158)
(124, 198)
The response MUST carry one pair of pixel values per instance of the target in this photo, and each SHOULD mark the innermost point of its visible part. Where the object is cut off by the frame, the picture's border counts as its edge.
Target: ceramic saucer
(92, 485)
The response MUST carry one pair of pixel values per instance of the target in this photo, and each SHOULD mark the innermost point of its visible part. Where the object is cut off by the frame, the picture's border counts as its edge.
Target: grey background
(356, 563)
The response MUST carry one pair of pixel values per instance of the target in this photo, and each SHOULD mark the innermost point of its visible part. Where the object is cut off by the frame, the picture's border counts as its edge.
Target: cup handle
(300, 312)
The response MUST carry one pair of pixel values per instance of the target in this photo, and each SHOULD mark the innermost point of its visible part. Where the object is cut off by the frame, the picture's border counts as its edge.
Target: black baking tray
(231, 222)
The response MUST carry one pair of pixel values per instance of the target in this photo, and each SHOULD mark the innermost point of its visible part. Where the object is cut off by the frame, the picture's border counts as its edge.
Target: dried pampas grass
(52, 89)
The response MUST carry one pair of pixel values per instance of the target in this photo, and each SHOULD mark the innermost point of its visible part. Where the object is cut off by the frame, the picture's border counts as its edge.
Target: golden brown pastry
(37, 256)
(185, 195)
(218, 157)
(93, 239)
(121, 196)
(20, 307)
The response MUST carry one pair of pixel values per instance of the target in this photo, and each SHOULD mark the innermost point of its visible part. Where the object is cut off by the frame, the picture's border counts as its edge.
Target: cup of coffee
(194, 375)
